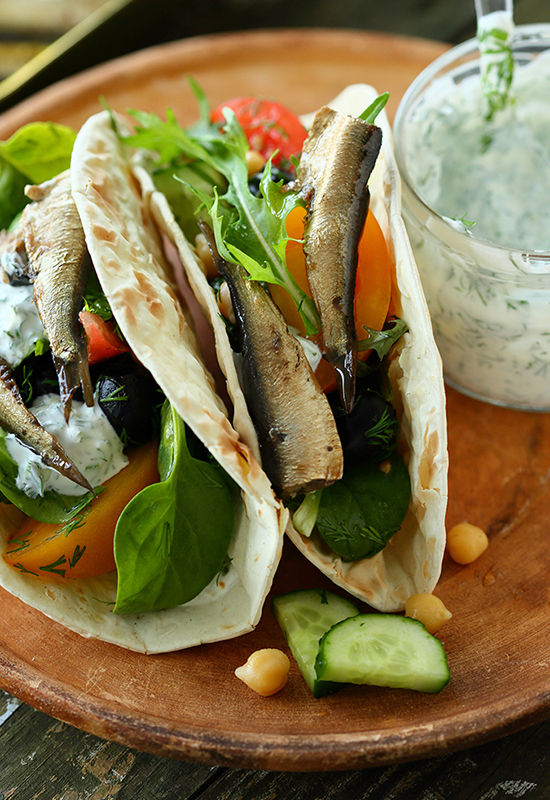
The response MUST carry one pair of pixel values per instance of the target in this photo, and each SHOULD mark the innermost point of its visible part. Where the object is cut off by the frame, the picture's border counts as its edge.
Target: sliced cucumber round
(304, 617)
(383, 650)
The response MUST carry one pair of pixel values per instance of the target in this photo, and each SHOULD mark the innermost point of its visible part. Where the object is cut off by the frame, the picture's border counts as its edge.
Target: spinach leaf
(53, 507)
(360, 513)
(171, 540)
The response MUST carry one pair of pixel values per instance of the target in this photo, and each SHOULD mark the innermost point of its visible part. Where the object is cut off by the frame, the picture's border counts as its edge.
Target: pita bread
(131, 266)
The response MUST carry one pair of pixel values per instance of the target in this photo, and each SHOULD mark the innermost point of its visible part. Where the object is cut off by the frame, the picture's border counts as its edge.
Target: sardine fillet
(335, 166)
(299, 442)
(60, 265)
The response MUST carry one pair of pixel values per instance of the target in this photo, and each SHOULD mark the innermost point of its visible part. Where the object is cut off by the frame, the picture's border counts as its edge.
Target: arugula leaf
(249, 230)
(382, 341)
(361, 512)
(95, 300)
(171, 540)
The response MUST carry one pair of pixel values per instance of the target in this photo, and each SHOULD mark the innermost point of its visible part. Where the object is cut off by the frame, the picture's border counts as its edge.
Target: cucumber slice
(305, 616)
(383, 650)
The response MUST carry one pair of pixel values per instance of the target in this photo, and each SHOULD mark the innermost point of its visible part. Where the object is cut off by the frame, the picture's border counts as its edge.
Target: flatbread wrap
(397, 559)
(159, 610)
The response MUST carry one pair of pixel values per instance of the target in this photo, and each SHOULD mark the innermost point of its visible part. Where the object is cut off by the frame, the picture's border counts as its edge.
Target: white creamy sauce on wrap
(489, 306)
(21, 326)
(88, 438)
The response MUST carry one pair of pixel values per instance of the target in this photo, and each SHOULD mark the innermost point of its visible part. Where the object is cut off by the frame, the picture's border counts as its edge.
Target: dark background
(133, 24)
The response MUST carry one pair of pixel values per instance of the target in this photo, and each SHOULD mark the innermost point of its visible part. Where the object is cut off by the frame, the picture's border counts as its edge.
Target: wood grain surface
(188, 705)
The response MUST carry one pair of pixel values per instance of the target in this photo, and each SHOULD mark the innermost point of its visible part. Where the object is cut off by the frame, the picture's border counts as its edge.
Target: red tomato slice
(267, 125)
(101, 337)
(372, 284)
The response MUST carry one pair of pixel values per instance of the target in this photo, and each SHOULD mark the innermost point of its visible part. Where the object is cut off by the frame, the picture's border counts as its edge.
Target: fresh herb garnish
(467, 223)
(54, 567)
(382, 341)
(370, 113)
(224, 570)
(115, 396)
(77, 555)
(21, 568)
(497, 69)
(323, 595)
(77, 521)
(22, 543)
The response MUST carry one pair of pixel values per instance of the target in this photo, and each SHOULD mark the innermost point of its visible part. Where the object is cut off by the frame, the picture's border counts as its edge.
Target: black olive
(129, 401)
(277, 175)
(36, 376)
(369, 432)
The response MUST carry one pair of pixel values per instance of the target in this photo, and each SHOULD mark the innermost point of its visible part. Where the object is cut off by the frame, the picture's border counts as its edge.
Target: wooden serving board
(189, 704)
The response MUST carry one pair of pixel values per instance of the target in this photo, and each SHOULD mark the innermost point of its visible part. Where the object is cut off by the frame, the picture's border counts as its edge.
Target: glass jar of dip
(476, 203)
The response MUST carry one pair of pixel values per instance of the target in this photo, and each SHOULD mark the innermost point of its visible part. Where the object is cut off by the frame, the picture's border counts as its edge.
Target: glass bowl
(489, 301)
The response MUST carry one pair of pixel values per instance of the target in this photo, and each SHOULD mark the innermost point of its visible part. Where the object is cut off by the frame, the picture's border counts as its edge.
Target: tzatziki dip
(476, 203)
(87, 437)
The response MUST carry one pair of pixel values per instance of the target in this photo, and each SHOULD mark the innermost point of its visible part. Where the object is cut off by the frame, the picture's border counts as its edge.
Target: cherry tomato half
(101, 337)
(372, 284)
(267, 125)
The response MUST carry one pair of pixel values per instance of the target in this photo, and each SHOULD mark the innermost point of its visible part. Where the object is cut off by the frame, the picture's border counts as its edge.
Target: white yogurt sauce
(489, 305)
(21, 326)
(88, 439)
(496, 175)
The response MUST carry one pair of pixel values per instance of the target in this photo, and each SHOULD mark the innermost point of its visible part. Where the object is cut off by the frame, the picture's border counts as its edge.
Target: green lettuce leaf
(39, 150)
(12, 197)
(35, 153)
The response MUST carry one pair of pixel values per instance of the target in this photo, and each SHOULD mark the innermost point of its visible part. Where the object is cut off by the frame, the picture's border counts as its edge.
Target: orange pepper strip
(372, 285)
(84, 549)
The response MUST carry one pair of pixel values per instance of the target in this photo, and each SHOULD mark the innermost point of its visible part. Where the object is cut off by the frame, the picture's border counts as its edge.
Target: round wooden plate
(189, 704)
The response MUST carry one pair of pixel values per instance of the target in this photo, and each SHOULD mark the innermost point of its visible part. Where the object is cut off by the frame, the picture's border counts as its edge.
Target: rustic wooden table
(41, 757)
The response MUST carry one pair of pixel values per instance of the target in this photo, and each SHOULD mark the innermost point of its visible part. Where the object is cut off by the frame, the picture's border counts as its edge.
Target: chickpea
(266, 671)
(225, 303)
(428, 609)
(466, 542)
(205, 256)
(254, 162)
